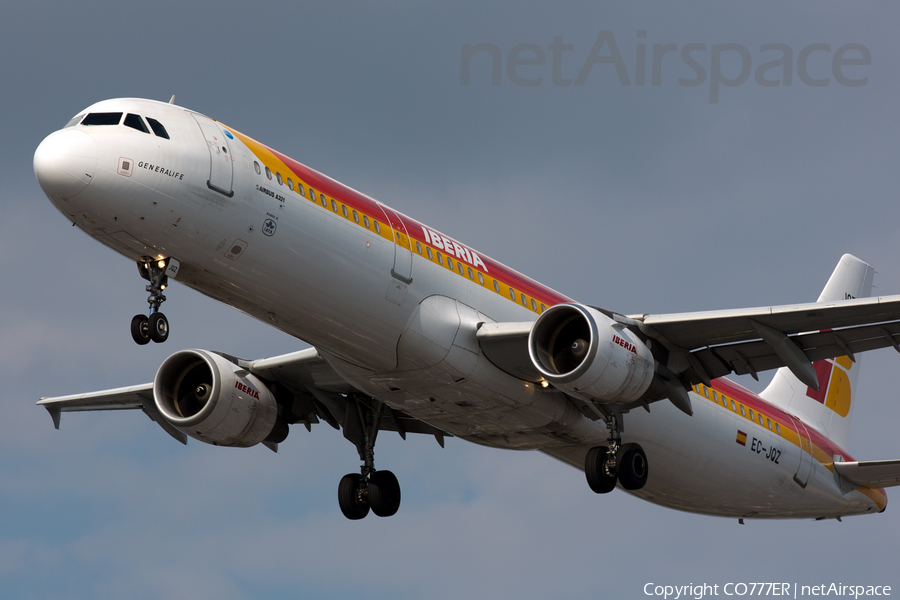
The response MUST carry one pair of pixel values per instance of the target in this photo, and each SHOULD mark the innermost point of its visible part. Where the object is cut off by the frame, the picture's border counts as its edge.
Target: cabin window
(496, 286)
(356, 216)
(512, 294)
(323, 200)
(543, 308)
(471, 274)
(279, 179)
(300, 189)
(377, 227)
(135, 122)
(440, 259)
(344, 210)
(751, 414)
(418, 247)
(449, 263)
(74, 121)
(706, 392)
(268, 173)
(533, 306)
(743, 413)
(333, 205)
(733, 407)
(106, 118)
(158, 128)
(366, 221)
(459, 267)
(290, 184)
(524, 300)
(769, 423)
(480, 278)
(256, 166)
(777, 428)
(428, 251)
(759, 418)
(715, 397)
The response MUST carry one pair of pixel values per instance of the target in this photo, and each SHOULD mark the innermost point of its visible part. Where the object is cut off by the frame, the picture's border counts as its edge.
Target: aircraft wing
(872, 473)
(133, 397)
(745, 341)
(305, 384)
(705, 345)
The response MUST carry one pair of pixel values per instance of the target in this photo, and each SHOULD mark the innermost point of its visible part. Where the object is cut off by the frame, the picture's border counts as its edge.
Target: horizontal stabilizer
(871, 473)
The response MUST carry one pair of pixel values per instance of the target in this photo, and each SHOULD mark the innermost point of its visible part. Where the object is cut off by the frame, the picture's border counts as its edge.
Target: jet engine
(213, 400)
(583, 352)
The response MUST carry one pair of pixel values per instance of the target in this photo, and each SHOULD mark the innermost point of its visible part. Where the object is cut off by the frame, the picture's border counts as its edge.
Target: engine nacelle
(211, 399)
(583, 352)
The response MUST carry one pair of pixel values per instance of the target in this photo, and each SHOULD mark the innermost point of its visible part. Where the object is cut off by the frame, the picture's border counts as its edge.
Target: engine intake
(583, 352)
(213, 400)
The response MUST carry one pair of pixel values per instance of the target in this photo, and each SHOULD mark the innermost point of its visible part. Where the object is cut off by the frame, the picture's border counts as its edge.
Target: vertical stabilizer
(830, 408)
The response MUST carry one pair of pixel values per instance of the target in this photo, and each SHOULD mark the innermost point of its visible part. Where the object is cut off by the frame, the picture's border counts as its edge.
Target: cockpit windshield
(74, 120)
(104, 118)
(114, 118)
(135, 122)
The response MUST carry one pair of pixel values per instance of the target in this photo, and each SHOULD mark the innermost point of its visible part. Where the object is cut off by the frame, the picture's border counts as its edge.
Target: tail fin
(829, 409)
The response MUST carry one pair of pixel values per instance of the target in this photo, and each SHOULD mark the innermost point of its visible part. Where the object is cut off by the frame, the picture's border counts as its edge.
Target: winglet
(172, 99)
(55, 415)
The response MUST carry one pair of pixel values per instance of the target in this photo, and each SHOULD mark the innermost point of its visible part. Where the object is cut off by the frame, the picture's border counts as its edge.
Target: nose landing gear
(154, 327)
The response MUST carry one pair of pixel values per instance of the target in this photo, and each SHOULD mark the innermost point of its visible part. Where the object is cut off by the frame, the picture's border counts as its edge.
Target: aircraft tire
(352, 505)
(632, 468)
(600, 482)
(140, 330)
(159, 327)
(384, 493)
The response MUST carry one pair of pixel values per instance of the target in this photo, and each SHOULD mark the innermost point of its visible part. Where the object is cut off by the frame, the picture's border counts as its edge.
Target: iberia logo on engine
(247, 389)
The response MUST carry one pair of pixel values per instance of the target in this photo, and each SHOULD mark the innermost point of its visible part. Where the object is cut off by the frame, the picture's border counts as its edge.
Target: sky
(684, 193)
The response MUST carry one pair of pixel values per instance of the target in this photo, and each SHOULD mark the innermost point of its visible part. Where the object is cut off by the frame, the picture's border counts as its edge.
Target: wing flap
(694, 330)
(873, 473)
(748, 358)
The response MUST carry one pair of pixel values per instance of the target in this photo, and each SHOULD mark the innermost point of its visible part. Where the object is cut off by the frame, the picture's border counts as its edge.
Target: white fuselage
(394, 310)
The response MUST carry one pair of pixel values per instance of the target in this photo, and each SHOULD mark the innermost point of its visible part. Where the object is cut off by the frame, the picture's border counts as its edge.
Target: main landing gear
(371, 489)
(154, 327)
(626, 463)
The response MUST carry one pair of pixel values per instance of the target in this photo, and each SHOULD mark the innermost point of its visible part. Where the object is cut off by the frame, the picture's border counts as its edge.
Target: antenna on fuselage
(172, 99)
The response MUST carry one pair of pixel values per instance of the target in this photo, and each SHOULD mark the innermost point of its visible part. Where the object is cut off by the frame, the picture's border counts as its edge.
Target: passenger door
(221, 162)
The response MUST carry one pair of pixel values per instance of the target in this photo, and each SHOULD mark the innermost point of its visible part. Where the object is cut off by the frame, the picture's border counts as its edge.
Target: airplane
(412, 331)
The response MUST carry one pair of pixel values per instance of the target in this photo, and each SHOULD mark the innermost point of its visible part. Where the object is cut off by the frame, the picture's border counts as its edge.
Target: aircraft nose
(65, 162)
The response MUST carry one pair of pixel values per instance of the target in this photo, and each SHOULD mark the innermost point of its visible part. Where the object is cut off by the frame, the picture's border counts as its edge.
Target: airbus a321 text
(415, 332)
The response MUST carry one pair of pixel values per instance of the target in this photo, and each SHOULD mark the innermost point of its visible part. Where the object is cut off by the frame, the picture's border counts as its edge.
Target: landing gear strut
(156, 326)
(626, 463)
(371, 489)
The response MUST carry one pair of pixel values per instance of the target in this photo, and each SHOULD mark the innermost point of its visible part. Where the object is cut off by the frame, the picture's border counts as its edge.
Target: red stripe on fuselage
(758, 404)
(353, 199)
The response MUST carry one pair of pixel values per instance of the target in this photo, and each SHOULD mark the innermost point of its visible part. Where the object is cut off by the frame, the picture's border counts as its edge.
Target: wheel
(384, 493)
(632, 469)
(597, 478)
(353, 504)
(140, 330)
(159, 327)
